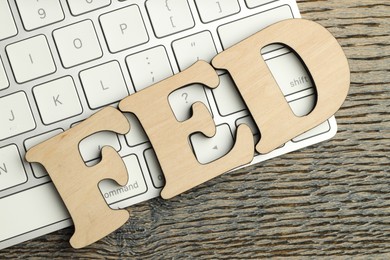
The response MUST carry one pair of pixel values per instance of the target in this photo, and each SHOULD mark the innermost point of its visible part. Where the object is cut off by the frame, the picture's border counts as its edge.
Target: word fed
(78, 184)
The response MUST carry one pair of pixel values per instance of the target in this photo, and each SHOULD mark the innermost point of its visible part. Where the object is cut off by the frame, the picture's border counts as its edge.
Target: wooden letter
(324, 59)
(78, 184)
(170, 138)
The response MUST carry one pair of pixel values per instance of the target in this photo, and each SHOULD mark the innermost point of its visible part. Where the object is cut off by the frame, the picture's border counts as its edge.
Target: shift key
(289, 73)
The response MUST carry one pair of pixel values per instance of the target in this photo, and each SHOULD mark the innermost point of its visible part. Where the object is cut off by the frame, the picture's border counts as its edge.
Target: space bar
(29, 210)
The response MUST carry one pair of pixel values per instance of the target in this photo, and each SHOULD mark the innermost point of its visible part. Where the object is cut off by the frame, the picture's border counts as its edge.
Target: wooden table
(331, 199)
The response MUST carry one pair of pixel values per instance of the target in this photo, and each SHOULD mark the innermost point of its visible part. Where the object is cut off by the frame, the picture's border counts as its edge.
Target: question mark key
(182, 100)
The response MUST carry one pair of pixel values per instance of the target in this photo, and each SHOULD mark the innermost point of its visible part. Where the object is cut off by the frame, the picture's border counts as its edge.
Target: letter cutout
(169, 137)
(78, 184)
(323, 57)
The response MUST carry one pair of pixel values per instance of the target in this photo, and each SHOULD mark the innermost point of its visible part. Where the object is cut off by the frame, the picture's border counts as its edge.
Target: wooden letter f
(77, 183)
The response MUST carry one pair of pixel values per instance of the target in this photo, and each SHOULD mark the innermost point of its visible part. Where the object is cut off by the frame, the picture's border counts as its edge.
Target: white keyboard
(63, 60)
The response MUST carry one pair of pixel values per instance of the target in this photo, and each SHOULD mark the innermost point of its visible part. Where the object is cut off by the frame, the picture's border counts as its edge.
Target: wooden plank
(330, 200)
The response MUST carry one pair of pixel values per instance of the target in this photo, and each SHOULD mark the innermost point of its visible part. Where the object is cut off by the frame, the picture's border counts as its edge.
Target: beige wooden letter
(169, 137)
(78, 184)
(324, 59)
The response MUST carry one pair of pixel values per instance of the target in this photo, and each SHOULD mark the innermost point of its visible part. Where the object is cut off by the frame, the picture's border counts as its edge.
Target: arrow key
(209, 149)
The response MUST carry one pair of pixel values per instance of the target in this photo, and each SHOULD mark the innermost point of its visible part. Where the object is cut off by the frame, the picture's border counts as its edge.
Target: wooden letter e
(169, 137)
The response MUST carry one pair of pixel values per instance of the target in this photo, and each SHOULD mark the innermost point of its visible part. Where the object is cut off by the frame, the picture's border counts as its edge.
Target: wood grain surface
(330, 200)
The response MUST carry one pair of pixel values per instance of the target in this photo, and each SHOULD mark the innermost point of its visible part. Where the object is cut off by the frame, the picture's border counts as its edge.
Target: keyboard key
(90, 147)
(209, 149)
(320, 129)
(136, 135)
(15, 116)
(103, 84)
(234, 32)
(36, 14)
(289, 73)
(8, 27)
(148, 67)
(303, 106)
(154, 169)
(4, 83)
(77, 43)
(38, 169)
(210, 10)
(136, 185)
(247, 120)
(181, 100)
(57, 100)
(255, 3)
(124, 28)
(30, 58)
(169, 16)
(11, 167)
(30, 210)
(196, 47)
(227, 97)
(78, 7)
